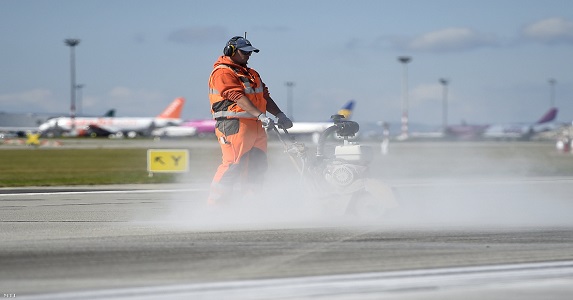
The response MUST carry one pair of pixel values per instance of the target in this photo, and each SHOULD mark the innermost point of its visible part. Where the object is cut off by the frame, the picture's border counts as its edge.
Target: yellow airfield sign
(167, 160)
(33, 139)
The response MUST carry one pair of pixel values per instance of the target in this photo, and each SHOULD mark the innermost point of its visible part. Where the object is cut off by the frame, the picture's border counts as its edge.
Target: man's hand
(267, 122)
(283, 121)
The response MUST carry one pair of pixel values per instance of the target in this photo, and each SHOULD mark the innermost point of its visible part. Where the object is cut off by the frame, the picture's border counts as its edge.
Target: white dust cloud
(434, 185)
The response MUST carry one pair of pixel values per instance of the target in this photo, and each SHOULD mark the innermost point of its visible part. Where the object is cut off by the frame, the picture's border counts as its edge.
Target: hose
(322, 139)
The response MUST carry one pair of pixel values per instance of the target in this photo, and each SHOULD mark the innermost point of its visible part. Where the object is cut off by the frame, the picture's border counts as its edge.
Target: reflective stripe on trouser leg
(244, 160)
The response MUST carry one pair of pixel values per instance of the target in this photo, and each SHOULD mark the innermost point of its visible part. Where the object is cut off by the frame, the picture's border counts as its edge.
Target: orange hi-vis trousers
(244, 146)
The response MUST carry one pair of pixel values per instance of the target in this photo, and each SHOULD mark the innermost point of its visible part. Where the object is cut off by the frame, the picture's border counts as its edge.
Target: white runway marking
(481, 181)
(102, 192)
(397, 184)
(353, 286)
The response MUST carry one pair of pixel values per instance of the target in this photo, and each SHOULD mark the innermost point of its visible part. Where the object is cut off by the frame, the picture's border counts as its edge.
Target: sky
(136, 56)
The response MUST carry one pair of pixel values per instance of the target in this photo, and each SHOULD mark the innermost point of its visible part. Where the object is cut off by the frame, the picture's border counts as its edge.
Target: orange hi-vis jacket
(228, 82)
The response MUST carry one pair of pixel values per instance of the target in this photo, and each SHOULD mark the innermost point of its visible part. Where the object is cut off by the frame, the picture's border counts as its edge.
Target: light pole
(72, 43)
(444, 83)
(80, 98)
(289, 85)
(552, 83)
(404, 60)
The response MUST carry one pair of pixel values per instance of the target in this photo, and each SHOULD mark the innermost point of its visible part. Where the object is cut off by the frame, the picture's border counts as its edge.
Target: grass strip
(52, 167)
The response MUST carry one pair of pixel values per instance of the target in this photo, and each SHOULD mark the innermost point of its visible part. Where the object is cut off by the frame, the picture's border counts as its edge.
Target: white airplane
(190, 128)
(521, 131)
(113, 126)
(19, 125)
(174, 131)
(314, 129)
(515, 131)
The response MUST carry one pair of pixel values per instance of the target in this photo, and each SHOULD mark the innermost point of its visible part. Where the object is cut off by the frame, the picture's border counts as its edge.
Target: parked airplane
(187, 129)
(114, 126)
(20, 124)
(315, 128)
(207, 126)
(465, 131)
(523, 131)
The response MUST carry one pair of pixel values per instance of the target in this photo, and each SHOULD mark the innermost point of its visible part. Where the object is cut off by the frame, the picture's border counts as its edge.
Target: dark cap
(242, 44)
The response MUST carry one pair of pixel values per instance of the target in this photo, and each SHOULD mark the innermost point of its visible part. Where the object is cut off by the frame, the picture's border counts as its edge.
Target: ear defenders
(231, 46)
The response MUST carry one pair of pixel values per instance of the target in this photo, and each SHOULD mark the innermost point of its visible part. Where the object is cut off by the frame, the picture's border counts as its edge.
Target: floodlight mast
(79, 98)
(72, 43)
(552, 83)
(444, 83)
(289, 85)
(404, 60)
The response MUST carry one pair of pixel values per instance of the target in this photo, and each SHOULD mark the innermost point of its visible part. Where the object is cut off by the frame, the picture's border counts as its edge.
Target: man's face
(241, 57)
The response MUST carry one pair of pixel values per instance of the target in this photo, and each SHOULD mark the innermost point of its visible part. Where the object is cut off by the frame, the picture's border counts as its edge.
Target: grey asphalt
(161, 241)
(70, 240)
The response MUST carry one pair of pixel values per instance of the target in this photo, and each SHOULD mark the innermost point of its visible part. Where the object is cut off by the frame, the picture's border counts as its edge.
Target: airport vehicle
(515, 131)
(206, 127)
(337, 175)
(113, 126)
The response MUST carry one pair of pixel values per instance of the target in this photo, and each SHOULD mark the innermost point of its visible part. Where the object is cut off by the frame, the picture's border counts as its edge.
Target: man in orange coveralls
(239, 102)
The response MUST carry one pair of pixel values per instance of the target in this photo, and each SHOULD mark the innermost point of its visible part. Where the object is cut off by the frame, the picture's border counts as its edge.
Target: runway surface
(507, 235)
(149, 242)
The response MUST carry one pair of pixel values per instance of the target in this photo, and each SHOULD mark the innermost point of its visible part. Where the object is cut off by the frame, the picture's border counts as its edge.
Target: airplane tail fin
(173, 111)
(548, 116)
(347, 109)
(110, 113)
